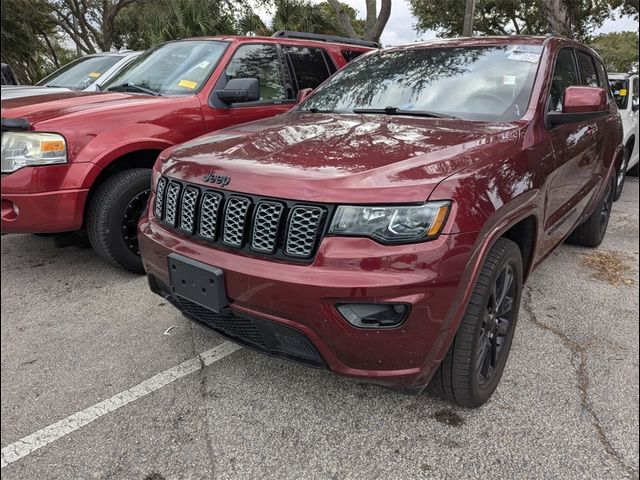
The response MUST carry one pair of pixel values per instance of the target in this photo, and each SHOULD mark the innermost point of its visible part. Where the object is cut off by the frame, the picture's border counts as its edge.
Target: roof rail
(325, 38)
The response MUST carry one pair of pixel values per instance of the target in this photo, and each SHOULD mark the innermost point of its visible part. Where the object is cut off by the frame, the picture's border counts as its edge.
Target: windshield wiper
(318, 110)
(132, 87)
(399, 111)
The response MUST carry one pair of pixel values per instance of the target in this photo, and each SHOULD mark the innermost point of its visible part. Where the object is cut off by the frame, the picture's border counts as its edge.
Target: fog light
(374, 315)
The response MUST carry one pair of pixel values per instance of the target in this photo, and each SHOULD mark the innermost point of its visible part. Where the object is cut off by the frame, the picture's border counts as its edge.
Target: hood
(17, 91)
(66, 102)
(340, 158)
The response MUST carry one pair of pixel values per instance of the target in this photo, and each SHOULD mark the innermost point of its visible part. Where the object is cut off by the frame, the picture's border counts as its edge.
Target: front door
(255, 60)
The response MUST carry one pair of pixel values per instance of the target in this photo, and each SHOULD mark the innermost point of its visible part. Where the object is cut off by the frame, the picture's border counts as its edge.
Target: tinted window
(261, 62)
(172, 68)
(588, 70)
(81, 73)
(476, 83)
(564, 75)
(309, 66)
(620, 90)
(351, 54)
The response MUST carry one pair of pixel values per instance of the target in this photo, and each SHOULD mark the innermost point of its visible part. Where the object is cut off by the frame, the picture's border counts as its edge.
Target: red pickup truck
(383, 229)
(82, 161)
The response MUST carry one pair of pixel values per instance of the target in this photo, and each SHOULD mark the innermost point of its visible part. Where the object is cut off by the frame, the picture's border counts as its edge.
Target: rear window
(620, 90)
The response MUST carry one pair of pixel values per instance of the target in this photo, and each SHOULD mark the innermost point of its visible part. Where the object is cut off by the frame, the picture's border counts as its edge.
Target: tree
(619, 50)
(572, 18)
(148, 22)
(91, 24)
(30, 43)
(374, 22)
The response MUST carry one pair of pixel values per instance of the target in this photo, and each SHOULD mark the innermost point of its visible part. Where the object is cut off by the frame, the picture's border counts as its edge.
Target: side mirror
(581, 103)
(240, 90)
(303, 94)
(635, 104)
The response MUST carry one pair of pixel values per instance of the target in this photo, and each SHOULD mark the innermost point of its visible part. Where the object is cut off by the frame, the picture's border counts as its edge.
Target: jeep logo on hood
(222, 180)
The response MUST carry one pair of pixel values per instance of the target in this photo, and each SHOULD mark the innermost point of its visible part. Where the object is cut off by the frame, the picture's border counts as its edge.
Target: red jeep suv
(82, 161)
(383, 229)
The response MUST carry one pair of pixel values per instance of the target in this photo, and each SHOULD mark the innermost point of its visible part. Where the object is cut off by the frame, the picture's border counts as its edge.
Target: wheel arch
(137, 158)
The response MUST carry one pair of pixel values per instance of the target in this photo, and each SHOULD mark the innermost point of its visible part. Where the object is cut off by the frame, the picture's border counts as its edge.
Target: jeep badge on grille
(221, 180)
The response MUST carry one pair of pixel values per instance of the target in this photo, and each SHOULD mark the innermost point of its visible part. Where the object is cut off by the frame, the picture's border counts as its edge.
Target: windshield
(620, 90)
(80, 73)
(171, 68)
(475, 83)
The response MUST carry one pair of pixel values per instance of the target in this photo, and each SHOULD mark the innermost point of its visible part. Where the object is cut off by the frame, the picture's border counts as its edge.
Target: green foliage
(504, 17)
(30, 42)
(148, 22)
(619, 50)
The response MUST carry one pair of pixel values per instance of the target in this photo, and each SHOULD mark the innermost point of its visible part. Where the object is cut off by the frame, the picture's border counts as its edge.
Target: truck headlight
(391, 224)
(28, 149)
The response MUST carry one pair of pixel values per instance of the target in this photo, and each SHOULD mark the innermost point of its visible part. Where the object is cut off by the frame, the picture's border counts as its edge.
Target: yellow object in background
(95, 74)
(187, 84)
(623, 92)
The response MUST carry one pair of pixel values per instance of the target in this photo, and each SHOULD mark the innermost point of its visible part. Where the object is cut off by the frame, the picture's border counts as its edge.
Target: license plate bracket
(197, 282)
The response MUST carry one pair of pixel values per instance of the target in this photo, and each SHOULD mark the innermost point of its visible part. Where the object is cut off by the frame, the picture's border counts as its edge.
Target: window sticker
(95, 74)
(187, 84)
(509, 80)
(203, 64)
(524, 56)
(622, 92)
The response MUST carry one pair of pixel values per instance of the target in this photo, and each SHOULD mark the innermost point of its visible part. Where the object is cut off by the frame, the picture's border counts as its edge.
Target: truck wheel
(621, 174)
(473, 366)
(113, 214)
(591, 232)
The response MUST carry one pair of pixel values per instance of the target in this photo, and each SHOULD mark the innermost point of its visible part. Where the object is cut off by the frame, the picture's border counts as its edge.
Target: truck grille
(263, 226)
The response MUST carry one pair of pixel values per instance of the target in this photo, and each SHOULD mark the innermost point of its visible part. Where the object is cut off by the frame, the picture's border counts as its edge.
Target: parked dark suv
(384, 228)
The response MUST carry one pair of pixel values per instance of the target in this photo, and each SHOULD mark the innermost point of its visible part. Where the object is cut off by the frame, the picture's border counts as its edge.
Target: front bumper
(44, 199)
(346, 270)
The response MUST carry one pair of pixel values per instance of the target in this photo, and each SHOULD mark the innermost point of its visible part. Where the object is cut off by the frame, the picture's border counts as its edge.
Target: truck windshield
(170, 69)
(620, 90)
(81, 73)
(490, 83)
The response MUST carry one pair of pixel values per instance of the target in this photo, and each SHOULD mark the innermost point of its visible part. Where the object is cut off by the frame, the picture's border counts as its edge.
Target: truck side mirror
(240, 90)
(635, 104)
(581, 103)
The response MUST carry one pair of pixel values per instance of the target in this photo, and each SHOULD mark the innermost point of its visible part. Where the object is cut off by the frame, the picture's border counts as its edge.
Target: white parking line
(51, 433)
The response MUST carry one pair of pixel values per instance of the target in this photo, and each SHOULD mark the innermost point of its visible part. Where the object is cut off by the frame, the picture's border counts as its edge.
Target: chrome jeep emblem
(221, 180)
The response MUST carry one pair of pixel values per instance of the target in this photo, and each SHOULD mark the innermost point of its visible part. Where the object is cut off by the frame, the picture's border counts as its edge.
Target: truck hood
(15, 91)
(40, 108)
(339, 158)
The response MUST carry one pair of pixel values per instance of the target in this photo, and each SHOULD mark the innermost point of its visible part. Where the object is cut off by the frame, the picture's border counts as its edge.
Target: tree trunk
(559, 18)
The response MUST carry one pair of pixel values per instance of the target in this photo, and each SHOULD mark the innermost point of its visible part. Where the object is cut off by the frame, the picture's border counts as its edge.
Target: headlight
(392, 224)
(28, 149)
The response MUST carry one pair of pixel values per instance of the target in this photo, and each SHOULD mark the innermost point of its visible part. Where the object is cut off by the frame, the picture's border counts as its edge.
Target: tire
(591, 232)
(113, 215)
(621, 174)
(634, 170)
(460, 378)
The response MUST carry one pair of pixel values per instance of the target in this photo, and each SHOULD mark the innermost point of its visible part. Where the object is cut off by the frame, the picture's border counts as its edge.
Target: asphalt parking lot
(102, 379)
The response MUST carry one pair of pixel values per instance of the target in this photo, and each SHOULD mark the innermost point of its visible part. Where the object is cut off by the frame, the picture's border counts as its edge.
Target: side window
(261, 62)
(635, 93)
(351, 54)
(588, 70)
(564, 75)
(309, 66)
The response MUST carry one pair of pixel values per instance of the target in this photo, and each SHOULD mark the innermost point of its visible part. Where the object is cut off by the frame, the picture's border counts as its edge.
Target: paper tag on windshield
(203, 64)
(524, 56)
(95, 74)
(622, 92)
(509, 80)
(187, 84)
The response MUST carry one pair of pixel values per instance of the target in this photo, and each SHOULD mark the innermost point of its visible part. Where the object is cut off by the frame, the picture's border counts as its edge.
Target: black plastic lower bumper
(262, 335)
